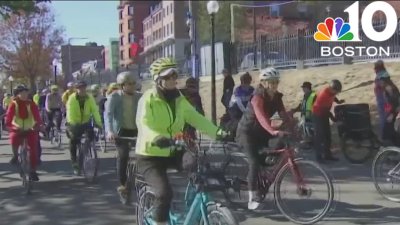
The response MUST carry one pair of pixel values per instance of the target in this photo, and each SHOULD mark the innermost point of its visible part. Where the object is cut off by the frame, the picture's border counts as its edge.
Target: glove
(222, 135)
(162, 142)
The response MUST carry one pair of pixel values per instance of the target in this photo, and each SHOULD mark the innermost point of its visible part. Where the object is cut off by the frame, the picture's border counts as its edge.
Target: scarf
(22, 108)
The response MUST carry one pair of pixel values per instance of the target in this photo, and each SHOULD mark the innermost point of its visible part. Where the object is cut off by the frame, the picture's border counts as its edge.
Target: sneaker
(33, 176)
(75, 167)
(254, 200)
(14, 160)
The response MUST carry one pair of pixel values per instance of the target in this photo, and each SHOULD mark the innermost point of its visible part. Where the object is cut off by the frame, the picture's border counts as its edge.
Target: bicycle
(387, 165)
(130, 181)
(100, 138)
(87, 155)
(200, 209)
(24, 163)
(275, 165)
(55, 134)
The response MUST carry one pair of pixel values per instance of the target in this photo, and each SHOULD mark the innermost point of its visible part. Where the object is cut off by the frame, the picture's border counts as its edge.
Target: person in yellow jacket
(36, 97)
(6, 101)
(81, 107)
(70, 90)
(161, 115)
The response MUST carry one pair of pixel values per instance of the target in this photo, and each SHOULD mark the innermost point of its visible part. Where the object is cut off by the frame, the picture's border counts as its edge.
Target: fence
(286, 51)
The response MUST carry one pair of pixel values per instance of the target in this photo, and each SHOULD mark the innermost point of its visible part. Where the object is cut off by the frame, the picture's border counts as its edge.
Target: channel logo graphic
(333, 30)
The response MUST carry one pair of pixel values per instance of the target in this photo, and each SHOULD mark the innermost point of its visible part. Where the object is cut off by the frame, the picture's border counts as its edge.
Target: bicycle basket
(355, 121)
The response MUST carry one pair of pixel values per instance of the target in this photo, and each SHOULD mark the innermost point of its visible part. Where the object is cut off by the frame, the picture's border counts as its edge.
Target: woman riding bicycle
(254, 128)
(23, 115)
(162, 113)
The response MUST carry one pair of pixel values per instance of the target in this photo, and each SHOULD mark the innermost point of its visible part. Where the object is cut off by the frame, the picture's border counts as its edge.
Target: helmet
(81, 83)
(54, 87)
(113, 86)
(336, 85)
(162, 67)
(269, 73)
(6, 94)
(19, 89)
(126, 76)
(70, 84)
(95, 87)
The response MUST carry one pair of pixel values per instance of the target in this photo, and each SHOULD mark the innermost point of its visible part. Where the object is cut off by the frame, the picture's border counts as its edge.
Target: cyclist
(81, 107)
(70, 90)
(254, 128)
(23, 115)
(162, 113)
(321, 114)
(305, 108)
(42, 103)
(120, 109)
(95, 91)
(6, 101)
(111, 88)
(53, 104)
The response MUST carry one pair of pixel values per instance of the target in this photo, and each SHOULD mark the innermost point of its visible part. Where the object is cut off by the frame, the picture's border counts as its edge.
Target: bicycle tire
(346, 151)
(224, 212)
(24, 164)
(130, 183)
(144, 194)
(277, 192)
(374, 175)
(90, 154)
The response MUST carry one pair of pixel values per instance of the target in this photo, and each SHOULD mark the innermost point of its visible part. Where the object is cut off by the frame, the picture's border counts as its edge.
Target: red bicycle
(278, 167)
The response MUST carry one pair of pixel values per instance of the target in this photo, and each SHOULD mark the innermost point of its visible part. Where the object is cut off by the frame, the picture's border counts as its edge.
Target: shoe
(33, 176)
(254, 200)
(123, 195)
(75, 167)
(331, 158)
(14, 161)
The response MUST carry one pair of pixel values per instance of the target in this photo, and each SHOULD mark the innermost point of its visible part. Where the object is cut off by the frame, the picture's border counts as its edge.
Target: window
(120, 14)
(172, 8)
(163, 31)
(121, 40)
(120, 28)
(275, 10)
(131, 38)
(131, 10)
(129, 54)
(167, 10)
(131, 24)
(167, 30)
(172, 27)
(163, 12)
(121, 55)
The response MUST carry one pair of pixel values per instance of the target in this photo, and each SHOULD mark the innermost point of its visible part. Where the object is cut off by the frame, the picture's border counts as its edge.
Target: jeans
(123, 149)
(75, 133)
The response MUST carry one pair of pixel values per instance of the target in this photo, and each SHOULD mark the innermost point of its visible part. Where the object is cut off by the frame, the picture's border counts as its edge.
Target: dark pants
(50, 116)
(389, 134)
(251, 145)
(226, 98)
(154, 172)
(322, 136)
(75, 133)
(123, 149)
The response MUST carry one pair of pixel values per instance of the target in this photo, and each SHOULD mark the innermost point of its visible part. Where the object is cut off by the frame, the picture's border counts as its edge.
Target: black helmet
(336, 85)
(20, 88)
(81, 83)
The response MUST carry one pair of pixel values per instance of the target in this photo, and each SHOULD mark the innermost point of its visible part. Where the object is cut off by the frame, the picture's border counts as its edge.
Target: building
(73, 56)
(111, 55)
(165, 31)
(131, 15)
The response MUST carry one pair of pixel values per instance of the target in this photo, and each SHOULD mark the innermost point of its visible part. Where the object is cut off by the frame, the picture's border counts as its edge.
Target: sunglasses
(172, 76)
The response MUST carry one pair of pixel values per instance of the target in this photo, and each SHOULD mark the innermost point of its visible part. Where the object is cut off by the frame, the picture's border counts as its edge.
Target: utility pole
(192, 34)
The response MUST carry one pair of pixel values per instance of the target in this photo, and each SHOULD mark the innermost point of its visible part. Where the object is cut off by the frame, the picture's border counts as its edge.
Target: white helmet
(127, 76)
(70, 84)
(269, 73)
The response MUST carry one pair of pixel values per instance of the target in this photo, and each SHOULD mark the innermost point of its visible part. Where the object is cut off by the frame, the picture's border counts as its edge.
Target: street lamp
(212, 8)
(54, 63)
(69, 53)
(11, 79)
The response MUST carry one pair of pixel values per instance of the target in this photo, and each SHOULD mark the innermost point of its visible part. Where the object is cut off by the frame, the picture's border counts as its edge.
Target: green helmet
(165, 65)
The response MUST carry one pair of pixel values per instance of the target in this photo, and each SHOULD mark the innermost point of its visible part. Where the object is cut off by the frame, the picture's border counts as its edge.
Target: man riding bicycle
(70, 90)
(254, 128)
(53, 104)
(162, 113)
(95, 91)
(120, 109)
(81, 107)
(23, 115)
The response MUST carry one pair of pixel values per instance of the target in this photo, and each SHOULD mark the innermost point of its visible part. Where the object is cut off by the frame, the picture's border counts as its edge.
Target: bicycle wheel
(144, 206)
(357, 152)
(130, 183)
(90, 161)
(217, 214)
(304, 213)
(386, 170)
(24, 164)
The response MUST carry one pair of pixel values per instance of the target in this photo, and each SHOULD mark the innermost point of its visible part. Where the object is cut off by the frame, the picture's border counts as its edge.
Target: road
(60, 198)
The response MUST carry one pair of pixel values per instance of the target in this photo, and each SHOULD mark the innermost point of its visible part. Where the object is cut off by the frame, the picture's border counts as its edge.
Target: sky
(95, 20)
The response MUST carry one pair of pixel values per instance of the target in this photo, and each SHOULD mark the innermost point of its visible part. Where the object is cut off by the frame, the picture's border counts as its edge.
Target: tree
(222, 21)
(7, 8)
(29, 43)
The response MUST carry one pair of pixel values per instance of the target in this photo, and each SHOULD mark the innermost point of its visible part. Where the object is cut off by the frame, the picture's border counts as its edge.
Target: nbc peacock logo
(333, 30)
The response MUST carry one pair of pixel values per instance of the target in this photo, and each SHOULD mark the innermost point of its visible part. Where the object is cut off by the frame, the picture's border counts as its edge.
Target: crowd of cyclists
(156, 116)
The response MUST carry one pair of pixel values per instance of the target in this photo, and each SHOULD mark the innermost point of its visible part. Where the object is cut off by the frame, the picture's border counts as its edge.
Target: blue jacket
(113, 111)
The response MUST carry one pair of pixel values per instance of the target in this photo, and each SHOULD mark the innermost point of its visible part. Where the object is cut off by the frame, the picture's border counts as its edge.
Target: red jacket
(324, 102)
(22, 111)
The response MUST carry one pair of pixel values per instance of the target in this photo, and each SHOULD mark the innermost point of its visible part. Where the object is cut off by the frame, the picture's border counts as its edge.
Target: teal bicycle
(200, 208)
